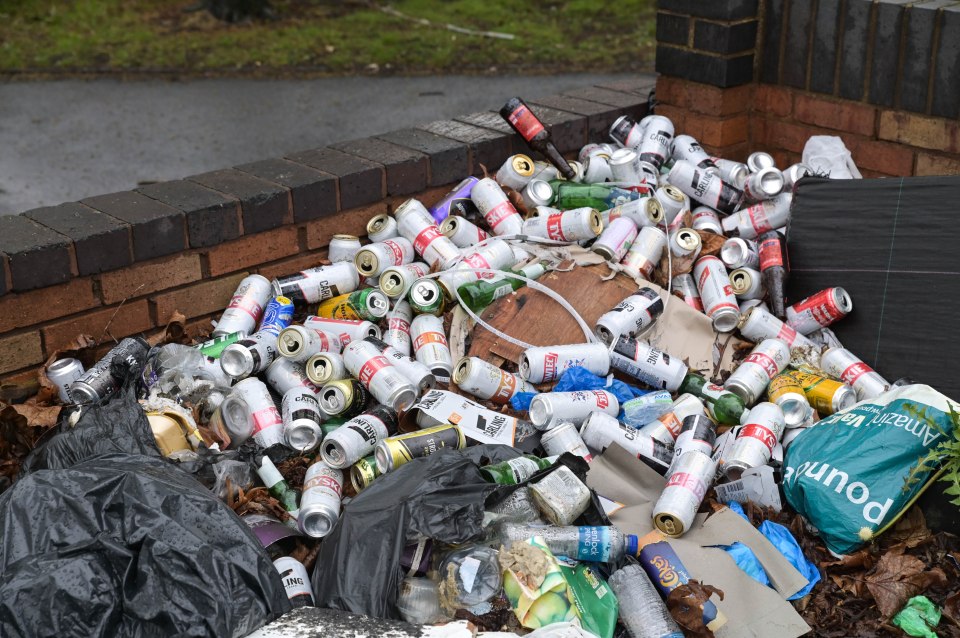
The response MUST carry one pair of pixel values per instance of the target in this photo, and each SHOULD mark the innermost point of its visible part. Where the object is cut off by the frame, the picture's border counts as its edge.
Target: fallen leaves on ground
(686, 606)
(898, 577)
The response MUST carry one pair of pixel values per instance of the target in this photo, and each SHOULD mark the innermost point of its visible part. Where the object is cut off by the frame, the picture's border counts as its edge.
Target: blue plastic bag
(746, 560)
(579, 378)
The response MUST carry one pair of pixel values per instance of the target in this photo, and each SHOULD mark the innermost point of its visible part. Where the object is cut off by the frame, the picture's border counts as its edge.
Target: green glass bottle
(726, 407)
(515, 470)
(214, 347)
(573, 195)
(483, 292)
(278, 487)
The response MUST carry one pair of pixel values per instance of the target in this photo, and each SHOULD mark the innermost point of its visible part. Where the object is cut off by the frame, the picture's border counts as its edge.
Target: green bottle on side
(515, 470)
(574, 195)
(726, 407)
(483, 292)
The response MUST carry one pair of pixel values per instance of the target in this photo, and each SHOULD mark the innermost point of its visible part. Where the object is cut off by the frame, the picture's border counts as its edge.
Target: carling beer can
(687, 483)
(382, 227)
(298, 343)
(826, 396)
(719, 302)
(565, 437)
(537, 193)
(766, 183)
(488, 382)
(246, 306)
(545, 364)
(266, 418)
(698, 432)
(426, 297)
(396, 281)
(759, 160)
(296, 581)
(548, 409)
(462, 232)
(395, 451)
(767, 359)
(707, 188)
(630, 317)
(346, 330)
(284, 375)
(560, 496)
(387, 384)
(320, 500)
(343, 248)
(672, 202)
(316, 284)
(625, 167)
(756, 440)
(786, 392)
(767, 215)
(705, 218)
(688, 149)
(373, 259)
(576, 224)
(501, 217)
(645, 363)
(758, 324)
(688, 288)
(842, 364)
(398, 327)
(819, 310)
(626, 132)
(99, 381)
(666, 428)
(496, 254)
(516, 172)
(63, 373)
(685, 242)
(738, 252)
(731, 172)
(456, 202)
(415, 372)
(645, 252)
(430, 346)
(594, 148)
(249, 356)
(657, 141)
(358, 437)
(596, 168)
(416, 225)
(615, 240)
(601, 430)
(302, 418)
(324, 367)
(344, 398)
(746, 284)
(363, 472)
(645, 211)
(277, 315)
(793, 174)
(368, 304)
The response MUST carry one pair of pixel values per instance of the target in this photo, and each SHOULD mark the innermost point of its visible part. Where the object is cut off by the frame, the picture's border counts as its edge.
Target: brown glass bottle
(519, 116)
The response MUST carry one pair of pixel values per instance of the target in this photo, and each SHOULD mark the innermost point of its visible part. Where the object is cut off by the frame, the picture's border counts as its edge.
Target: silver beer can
(719, 302)
(737, 252)
(415, 372)
(666, 428)
(625, 167)
(734, 173)
(698, 433)
(687, 483)
(645, 252)
(346, 330)
(302, 418)
(705, 218)
(417, 225)
(685, 242)
(672, 202)
(707, 188)
(631, 317)
(756, 440)
(615, 240)
(342, 248)
(751, 378)
(794, 174)
(758, 324)
(845, 366)
(596, 168)
(516, 172)
(545, 364)
(496, 254)
(358, 437)
(382, 227)
(766, 183)
(266, 418)
(627, 133)
(537, 193)
(373, 259)
(759, 160)
(283, 375)
(298, 343)
(601, 430)
(657, 141)
(249, 356)
(62, 373)
(395, 282)
(501, 217)
(688, 149)
(488, 382)
(565, 437)
(746, 284)
(550, 408)
(246, 306)
(318, 284)
(645, 211)
(688, 288)
(324, 367)
(463, 232)
(320, 500)
(398, 327)
(574, 225)
(430, 346)
(650, 366)
(386, 384)
(750, 222)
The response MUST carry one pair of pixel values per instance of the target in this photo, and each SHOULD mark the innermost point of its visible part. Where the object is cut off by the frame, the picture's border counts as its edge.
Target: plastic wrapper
(579, 378)
(746, 560)
(918, 618)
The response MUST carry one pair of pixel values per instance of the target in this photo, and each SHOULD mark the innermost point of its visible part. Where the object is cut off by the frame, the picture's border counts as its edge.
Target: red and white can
(576, 224)
(645, 252)
(245, 309)
(462, 232)
(751, 378)
(299, 344)
(747, 284)
(266, 418)
(430, 346)
(398, 327)
(346, 330)
(756, 440)
(688, 288)
(672, 202)
(706, 188)
(819, 310)
(488, 382)
(842, 364)
(645, 211)
(343, 248)
(545, 364)
(667, 427)
(719, 302)
(516, 172)
(382, 227)
(767, 215)
(550, 408)
(614, 242)
(705, 218)
(685, 242)
(737, 252)
(416, 224)
(759, 324)
(396, 281)
(687, 482)
(501, 217)
(496, 254)
(373, 259)
(387, 384)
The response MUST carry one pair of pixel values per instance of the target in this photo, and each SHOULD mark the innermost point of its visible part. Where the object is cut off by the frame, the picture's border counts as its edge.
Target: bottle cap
(633, 545)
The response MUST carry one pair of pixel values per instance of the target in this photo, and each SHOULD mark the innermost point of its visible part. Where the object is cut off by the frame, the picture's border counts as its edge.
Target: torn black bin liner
(125, 543)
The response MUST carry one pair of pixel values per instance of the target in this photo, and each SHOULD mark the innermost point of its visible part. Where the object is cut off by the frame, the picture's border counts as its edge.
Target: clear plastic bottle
(597, 543)
(642, 611)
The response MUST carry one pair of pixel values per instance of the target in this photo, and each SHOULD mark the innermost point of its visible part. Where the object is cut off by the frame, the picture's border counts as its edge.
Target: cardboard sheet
(752, 610)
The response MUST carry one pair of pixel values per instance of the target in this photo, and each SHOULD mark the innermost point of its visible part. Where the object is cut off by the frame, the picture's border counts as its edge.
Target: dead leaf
(686, 606)
(850, 584)
(174, 332)
(911, 529)
(711, 243)
(951, 608)
(39, 416)
(898, 577)
(861, 560)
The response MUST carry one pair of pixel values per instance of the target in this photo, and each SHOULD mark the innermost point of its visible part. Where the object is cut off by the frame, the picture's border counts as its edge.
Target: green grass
(325, 37)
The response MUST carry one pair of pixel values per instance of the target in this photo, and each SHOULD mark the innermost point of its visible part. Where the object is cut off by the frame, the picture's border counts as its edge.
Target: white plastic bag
(827, 156)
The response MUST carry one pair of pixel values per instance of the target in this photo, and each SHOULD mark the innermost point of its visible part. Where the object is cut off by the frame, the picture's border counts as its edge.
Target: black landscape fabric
(894, 245)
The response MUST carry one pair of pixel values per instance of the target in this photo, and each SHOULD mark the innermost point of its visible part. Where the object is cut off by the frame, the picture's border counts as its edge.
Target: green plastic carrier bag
(847, 474)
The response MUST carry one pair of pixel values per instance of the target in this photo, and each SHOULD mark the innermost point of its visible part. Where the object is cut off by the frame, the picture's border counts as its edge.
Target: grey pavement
(66, 140)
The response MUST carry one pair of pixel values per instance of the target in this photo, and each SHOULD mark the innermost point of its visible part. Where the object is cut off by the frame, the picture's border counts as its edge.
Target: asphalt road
(65, 140)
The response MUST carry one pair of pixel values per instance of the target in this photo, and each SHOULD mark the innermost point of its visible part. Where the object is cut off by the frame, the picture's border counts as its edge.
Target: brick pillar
(705, 57)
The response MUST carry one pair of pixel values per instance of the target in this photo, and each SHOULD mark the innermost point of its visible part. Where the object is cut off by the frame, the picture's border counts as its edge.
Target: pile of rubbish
(681, 452)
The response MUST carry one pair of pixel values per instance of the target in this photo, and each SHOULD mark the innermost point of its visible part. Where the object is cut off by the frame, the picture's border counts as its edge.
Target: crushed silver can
(430, 346)
(549, 408)
(756, 440)
(560, 496)
(320, 500)
(358, 437)
(302, 419)
(631, 317)
(645, 252)
(384, 381)
(719, 302)
(245, 309)
(501, 217)
(463, 232)
(565, 437)
(842, 364)
(615, 240)
(546, 363)
(342, 248)
(819, 310)
(99, 382)
(488, 382)
(689, 479)
(751, 378)
(737, 252)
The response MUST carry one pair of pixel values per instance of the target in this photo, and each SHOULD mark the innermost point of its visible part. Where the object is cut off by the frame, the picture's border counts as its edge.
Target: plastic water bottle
(596, 543)
(642, 410)
(642, 611)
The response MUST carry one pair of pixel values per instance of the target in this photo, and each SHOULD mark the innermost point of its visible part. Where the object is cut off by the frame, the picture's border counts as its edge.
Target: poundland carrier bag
(847, 474)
